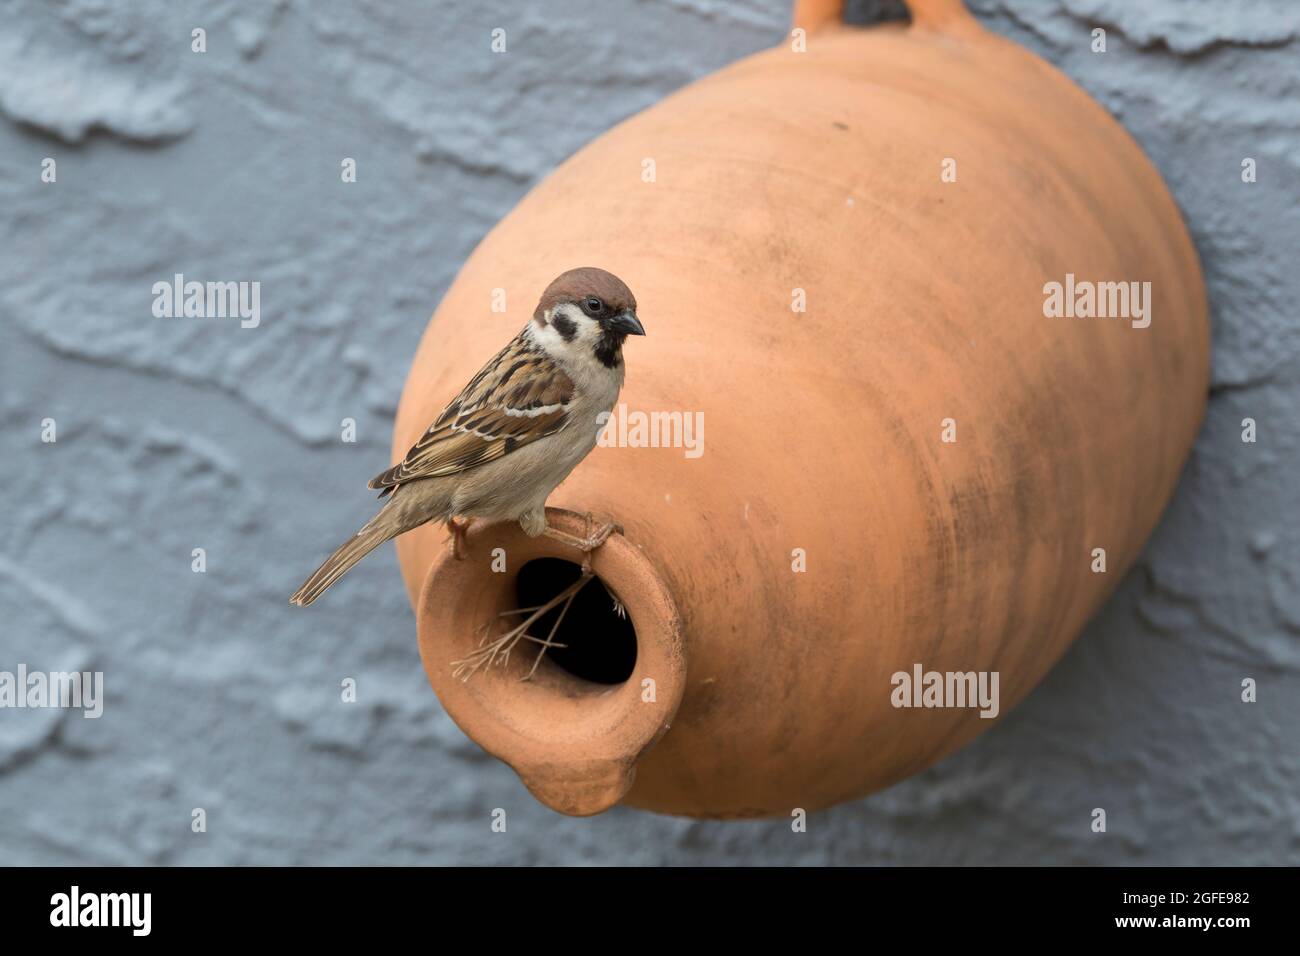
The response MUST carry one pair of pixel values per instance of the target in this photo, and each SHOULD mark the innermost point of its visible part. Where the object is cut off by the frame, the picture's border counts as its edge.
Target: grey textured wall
(177, 434)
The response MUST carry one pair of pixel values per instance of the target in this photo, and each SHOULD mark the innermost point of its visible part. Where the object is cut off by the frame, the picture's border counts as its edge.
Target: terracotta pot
(822, 171)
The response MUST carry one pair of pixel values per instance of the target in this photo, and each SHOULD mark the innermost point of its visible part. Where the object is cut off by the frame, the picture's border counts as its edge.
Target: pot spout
(576, 728)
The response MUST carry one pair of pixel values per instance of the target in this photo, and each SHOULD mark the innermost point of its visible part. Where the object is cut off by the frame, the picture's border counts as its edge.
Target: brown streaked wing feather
(517, 398)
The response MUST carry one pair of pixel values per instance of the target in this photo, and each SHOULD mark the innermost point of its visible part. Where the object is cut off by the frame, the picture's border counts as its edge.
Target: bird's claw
(592, 540)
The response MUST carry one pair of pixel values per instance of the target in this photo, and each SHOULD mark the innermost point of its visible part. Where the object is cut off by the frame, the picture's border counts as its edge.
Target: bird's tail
(348, 554)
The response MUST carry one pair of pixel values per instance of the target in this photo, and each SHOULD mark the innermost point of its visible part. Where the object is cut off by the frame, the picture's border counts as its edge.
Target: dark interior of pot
(599, 640)
(592, 638)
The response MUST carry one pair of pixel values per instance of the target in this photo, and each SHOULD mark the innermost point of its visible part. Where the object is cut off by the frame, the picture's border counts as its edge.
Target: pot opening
(601, 645)
(572, 721)
(864, 13)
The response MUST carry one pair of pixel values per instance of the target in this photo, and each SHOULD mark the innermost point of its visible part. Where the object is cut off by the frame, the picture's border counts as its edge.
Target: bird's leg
(456, 531)
(593, 540)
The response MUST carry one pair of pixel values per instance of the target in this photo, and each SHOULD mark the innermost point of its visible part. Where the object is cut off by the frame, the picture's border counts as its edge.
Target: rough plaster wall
(196, 433)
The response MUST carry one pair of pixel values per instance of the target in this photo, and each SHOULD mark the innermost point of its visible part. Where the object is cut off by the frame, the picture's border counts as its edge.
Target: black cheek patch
(565, 326)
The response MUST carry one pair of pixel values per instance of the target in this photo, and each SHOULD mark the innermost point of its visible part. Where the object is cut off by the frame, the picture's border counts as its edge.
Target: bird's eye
(594, 306)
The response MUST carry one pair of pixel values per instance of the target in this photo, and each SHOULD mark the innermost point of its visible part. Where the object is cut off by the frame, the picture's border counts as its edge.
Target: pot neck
(574, 742)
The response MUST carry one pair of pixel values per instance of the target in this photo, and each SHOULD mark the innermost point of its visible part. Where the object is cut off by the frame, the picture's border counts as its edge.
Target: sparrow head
(589, 311)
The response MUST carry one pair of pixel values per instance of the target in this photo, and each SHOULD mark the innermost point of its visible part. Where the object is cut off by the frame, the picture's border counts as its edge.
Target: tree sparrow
(515, 431)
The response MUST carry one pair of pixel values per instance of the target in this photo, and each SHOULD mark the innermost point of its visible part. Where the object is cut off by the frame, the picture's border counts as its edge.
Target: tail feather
(348, 554)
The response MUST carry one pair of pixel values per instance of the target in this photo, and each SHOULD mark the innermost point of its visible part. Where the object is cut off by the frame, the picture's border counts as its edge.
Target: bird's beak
(627, 323)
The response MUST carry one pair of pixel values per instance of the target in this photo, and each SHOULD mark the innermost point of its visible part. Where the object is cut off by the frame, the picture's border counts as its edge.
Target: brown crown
(578, 284)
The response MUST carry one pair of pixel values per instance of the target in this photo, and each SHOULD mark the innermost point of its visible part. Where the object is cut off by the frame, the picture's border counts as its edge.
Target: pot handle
(813, 15)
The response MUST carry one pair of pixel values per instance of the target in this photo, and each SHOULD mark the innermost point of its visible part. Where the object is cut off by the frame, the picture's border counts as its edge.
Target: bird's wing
(517, 398)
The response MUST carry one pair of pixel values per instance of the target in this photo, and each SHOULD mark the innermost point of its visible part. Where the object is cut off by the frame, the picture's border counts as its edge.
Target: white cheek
(547, 337)
(588, 335)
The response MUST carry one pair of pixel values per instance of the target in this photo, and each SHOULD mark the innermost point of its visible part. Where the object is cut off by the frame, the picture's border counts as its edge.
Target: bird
(517, 430)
